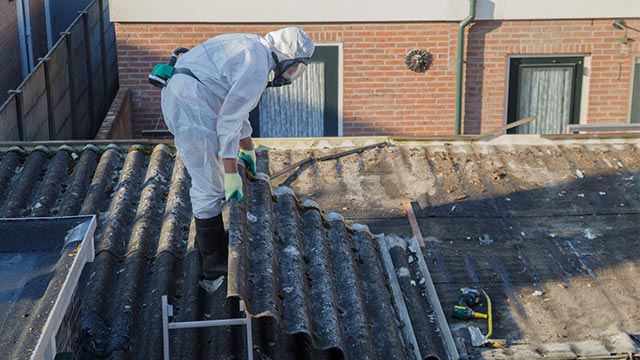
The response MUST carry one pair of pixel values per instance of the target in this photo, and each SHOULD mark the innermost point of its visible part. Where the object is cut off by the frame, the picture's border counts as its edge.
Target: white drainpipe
(24, 32)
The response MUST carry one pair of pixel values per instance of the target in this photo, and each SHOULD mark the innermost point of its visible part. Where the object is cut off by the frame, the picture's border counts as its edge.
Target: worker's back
(222, 61)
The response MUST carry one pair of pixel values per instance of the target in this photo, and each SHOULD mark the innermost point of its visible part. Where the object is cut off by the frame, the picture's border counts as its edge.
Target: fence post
(19, 115)
(47, 87)
(87, 45)
(72, 91)
(103, 51)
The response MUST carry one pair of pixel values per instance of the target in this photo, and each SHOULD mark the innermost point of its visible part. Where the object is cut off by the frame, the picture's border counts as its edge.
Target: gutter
(461, 26)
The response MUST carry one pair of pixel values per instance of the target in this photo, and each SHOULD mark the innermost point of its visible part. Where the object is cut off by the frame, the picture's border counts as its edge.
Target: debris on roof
(511, 218)
(312, 273)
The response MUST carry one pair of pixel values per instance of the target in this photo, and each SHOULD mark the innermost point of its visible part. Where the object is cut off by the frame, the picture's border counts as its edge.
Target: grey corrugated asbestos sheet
(318, 286)
(313, 274)
(560, 217)
(548, 227)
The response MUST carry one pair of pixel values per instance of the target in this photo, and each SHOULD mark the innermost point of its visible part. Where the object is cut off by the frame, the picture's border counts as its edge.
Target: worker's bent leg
(212, 243)
(191, 120)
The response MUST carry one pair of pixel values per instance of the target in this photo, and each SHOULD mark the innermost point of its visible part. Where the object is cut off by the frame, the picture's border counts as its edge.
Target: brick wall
(382, 97)
(10, 62)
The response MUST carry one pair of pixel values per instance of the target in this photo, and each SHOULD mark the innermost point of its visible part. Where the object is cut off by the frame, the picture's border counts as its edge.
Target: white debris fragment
(538, 293)
(507, 199)
(522, 233)
(74, 156)
(589, 234)
(413, 246)
(560, 195)
(38, 205)
(581, 195)
(127, 307)
(252, 218)
(410, 259)
(580, 174)
(211, 286)
(552, 235)
(485, 239)
(628, 178)
(452, 208)
(292, 251)
(468, 237)
(412, 282)
(422, 281)
(287, 289)
(602, 193)
(621, 205)
(402, 272)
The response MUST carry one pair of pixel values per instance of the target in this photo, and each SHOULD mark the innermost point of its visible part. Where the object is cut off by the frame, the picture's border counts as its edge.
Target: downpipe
(461, 26)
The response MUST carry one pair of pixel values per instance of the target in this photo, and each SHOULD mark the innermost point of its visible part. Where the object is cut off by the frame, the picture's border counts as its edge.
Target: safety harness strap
(185, 71)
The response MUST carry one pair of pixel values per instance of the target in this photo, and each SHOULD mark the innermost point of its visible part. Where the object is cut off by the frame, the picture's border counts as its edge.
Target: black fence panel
(59, 94)
(35, 109)
(68, 93)
(9, 130)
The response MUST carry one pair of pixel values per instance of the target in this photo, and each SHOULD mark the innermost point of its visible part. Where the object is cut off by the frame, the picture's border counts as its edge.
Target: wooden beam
(413, 222)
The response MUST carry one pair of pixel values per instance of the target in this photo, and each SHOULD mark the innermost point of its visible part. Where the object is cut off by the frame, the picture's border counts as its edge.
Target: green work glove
(249, 158)
(233, 186)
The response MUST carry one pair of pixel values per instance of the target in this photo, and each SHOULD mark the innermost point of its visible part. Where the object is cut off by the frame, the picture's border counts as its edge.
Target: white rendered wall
(261, 11)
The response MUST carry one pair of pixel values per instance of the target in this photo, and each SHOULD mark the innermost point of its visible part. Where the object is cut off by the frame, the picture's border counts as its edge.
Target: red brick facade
(382, 97)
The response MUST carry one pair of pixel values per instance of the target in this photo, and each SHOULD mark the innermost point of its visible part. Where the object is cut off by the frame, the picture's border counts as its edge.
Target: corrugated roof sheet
(319, 284)
(558, 216)
(144, 240)
(312, 273)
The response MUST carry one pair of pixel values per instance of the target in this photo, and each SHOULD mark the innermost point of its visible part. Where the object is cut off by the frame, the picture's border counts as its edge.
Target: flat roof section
(40, 262)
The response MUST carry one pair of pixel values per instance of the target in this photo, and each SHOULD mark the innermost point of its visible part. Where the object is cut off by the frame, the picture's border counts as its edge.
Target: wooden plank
(413, 222)
(507, 127)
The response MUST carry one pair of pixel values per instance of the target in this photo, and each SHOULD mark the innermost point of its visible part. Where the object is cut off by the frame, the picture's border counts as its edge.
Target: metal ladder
(167, 311)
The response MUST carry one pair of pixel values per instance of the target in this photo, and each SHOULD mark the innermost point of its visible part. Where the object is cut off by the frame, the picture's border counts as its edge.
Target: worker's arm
(248, 74)
(246, 143)
(230, 165)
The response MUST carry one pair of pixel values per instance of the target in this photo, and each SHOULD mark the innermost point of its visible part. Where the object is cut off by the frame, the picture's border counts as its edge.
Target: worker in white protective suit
(206, 106)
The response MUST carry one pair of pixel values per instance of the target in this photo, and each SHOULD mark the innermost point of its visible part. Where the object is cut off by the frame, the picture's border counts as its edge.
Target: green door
(547, 87)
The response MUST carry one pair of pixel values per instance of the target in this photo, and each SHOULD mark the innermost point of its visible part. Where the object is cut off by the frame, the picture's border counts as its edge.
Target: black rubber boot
(213, 245)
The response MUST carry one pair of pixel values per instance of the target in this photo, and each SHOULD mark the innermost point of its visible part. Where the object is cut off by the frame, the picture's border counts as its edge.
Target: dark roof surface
(511, 218)
(549, 228)
(315, 275)
(319, 286)
(36, 256)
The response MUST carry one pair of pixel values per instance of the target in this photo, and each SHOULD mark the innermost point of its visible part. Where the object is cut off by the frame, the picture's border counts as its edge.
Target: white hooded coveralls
(209, 117)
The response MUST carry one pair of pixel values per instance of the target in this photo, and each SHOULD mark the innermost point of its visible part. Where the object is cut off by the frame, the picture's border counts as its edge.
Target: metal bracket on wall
(167, 311)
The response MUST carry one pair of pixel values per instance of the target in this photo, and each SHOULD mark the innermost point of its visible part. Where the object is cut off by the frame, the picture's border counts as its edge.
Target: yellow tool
(494, 342)
(468, 299)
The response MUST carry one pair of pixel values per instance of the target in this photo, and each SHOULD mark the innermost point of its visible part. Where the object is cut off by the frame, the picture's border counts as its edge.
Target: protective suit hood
(290, 43)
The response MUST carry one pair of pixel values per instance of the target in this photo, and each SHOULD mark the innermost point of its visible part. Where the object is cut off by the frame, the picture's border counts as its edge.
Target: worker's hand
(249, 158)
(233, 186)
